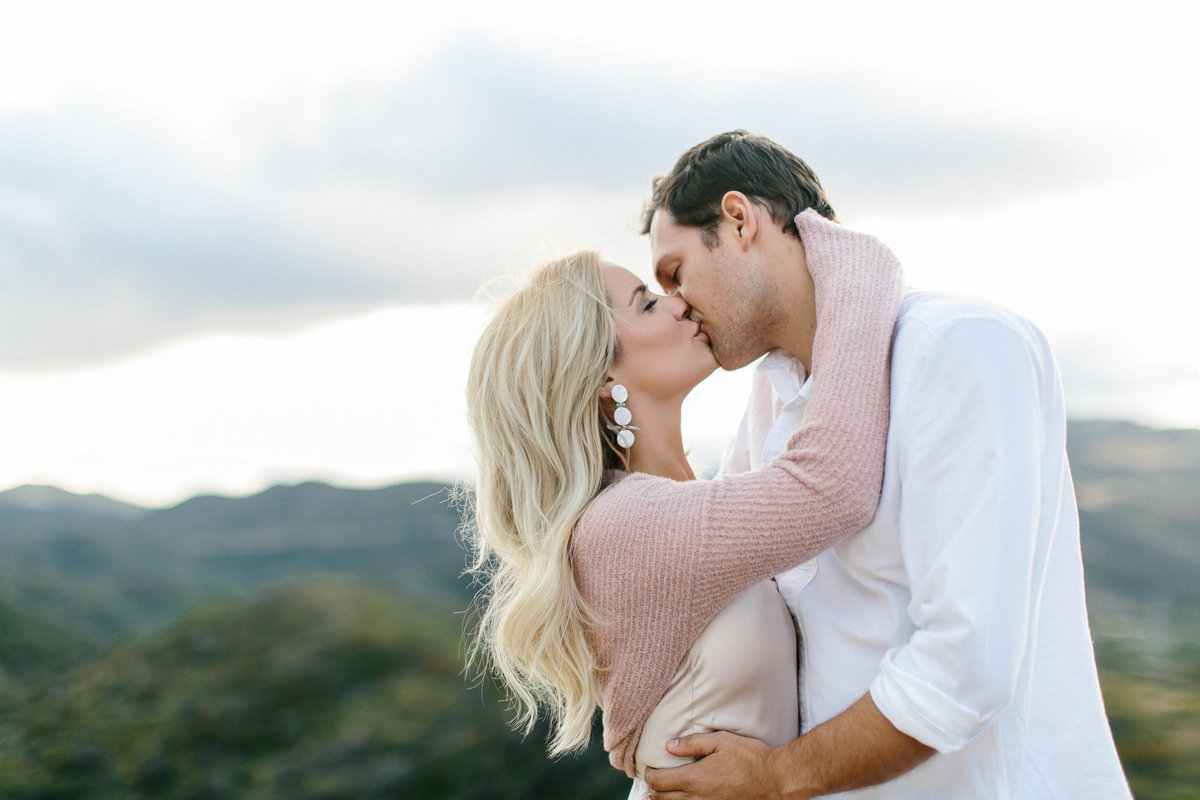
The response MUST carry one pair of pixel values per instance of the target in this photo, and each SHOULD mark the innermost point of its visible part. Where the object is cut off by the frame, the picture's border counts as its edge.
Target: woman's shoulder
(653, 507)
(616, 501)
(628, 495)
(606, 545)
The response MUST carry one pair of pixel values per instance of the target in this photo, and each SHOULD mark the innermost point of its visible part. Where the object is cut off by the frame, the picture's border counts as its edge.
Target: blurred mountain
(31, 646)
(307, 641)
(105, 577)
(1139, 516)
(51, 498)
(106, 570)
(327, 689)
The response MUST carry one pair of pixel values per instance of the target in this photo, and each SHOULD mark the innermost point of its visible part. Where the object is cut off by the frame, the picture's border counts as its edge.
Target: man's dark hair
(768, 174)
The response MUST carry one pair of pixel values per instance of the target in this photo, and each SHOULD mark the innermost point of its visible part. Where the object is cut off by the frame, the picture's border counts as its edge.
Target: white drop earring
(622, 416)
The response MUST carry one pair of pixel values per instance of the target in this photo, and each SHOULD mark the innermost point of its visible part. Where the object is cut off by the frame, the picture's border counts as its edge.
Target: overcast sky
(243, 242)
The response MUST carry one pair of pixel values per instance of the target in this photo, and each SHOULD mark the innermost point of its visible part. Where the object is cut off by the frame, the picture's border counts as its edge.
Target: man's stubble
(747, 316)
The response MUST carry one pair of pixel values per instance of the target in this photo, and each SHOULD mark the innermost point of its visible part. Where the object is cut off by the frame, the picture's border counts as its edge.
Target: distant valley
(307, 641)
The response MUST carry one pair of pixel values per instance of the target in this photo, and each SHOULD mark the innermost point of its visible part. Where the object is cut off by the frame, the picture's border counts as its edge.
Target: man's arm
(857, 748)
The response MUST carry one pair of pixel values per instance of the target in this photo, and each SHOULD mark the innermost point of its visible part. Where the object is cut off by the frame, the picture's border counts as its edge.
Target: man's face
(730, 296)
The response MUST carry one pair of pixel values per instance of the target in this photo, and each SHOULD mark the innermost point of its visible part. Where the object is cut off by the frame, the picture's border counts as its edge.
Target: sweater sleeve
(826, 484)
(658, 558)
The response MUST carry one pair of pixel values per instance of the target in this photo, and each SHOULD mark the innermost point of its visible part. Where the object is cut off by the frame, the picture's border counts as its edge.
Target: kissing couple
(882, 592)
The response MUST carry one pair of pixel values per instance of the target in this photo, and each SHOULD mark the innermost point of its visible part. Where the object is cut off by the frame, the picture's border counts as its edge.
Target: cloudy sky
(243, 242)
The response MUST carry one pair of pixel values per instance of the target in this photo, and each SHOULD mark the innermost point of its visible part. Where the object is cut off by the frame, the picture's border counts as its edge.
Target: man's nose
(679, 306)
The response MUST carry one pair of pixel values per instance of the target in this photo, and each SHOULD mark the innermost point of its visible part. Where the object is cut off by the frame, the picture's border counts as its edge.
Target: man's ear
(739, 212)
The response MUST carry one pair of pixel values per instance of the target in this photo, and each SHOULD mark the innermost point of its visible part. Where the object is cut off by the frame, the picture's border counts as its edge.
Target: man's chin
(728, 361)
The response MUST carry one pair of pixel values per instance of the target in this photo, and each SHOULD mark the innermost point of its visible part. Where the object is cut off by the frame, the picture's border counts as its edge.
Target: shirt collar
(787, 375)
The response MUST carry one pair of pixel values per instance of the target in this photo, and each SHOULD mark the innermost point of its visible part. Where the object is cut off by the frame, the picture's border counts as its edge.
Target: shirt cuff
(923, 711)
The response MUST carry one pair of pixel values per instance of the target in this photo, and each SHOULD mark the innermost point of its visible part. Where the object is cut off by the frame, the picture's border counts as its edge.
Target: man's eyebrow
(641, 289)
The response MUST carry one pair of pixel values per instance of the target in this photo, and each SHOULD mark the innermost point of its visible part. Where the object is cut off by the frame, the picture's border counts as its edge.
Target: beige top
(739, 676)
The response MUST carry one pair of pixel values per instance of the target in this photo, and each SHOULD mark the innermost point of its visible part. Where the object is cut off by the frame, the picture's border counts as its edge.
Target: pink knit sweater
(656, 559)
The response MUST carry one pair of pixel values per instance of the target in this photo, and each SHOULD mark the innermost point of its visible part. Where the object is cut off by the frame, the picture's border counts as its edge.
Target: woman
(604, 564)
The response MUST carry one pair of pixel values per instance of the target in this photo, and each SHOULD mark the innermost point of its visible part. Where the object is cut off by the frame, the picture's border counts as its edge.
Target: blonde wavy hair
(543, 448)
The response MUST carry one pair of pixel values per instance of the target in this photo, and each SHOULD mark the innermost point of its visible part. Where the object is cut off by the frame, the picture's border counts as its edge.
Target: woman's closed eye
(649, 305)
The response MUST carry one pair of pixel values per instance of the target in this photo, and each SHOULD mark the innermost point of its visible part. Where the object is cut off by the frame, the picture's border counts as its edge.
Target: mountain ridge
(200, 621)
(41, 497)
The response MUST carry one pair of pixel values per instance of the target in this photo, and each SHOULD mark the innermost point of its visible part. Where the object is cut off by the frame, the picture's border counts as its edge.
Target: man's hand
(857, 748)
(731, 767)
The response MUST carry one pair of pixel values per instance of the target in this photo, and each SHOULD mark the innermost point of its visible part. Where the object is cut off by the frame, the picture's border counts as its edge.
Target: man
(945, 647)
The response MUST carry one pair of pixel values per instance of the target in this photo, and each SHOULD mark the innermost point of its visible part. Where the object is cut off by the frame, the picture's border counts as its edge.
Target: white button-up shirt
(960, 608)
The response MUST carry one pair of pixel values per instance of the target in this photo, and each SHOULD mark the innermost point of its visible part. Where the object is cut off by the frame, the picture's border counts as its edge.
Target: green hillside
(307, 641)
(1139, 513)
(325, 689)
(31, 647)
(105, 578)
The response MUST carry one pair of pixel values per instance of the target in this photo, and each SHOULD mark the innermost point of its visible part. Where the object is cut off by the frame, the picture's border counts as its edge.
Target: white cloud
(174, 171)
(1110, 274)
(365, 401)
(408, 187)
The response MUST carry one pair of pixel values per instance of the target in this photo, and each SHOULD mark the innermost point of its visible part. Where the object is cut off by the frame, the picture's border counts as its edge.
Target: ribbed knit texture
(656, 559)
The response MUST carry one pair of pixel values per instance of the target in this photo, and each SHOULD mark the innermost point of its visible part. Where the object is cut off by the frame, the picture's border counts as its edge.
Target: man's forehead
(662, 222)
(665, 235)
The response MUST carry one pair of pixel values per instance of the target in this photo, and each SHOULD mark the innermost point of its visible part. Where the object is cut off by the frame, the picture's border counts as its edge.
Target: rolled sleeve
(973, 537)
(923, 711)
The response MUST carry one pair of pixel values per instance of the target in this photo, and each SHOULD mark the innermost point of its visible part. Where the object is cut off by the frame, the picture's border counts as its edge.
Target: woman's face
(662, 353)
